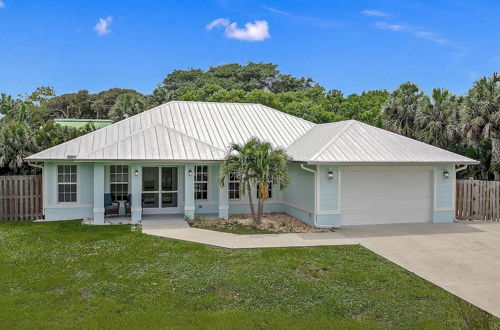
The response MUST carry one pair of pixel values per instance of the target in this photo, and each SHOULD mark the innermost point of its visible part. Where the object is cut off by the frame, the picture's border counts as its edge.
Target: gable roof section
(355, 142)
(158, 143)
(213, 125)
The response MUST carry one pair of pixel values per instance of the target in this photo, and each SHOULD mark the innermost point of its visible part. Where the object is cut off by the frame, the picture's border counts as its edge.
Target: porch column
(189, 191)
(136, 194)
(224, 201)
(98, 194)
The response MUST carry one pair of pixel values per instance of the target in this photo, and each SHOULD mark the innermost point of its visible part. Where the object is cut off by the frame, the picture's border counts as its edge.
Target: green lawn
(67, 275)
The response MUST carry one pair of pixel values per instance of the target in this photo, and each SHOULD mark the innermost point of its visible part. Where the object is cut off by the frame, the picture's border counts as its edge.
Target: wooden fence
(478, 200)
(21, 197)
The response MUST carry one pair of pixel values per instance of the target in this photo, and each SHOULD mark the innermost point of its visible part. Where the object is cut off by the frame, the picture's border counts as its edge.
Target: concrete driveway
(464, 259)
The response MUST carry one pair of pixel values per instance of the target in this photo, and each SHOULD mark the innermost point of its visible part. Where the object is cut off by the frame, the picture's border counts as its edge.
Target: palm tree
(481, 117)
(437, 120)
(256, 163)
(400, 109)
(16, 143)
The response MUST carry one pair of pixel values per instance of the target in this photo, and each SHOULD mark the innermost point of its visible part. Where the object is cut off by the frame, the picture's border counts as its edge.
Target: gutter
(315, 194)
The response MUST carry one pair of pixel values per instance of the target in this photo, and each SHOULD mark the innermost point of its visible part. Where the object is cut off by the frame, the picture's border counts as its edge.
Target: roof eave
(469, 162)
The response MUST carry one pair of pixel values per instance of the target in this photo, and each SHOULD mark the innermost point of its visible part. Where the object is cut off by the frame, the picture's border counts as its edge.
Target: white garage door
(379, 195)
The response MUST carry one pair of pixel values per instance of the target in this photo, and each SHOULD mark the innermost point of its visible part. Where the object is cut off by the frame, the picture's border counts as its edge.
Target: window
(234, 186)
(201, 182)
(269, 190)
(118, 178)
(66, 183)
(159, 187)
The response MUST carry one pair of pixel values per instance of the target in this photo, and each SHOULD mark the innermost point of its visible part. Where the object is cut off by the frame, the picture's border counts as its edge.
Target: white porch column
(98, 194)
(136, 193)
(189, 191)
(223, 201)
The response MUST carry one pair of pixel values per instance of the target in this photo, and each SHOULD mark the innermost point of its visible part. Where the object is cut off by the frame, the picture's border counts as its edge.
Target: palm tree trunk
(250, 200)
(260, 211)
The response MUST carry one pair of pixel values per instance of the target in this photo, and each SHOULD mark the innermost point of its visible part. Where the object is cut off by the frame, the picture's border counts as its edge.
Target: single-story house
(167, 159)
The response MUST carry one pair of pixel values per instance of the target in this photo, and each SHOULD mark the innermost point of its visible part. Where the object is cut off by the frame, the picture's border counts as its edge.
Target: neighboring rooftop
(203, 131)
(79, 123)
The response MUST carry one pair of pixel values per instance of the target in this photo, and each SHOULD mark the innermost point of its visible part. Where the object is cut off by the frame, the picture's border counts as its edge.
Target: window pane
(169, 179)
(150, 177)
(150, 200)
(169, 200)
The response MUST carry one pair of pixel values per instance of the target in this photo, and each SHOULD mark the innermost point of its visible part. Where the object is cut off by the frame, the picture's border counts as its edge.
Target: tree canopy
(467, 124)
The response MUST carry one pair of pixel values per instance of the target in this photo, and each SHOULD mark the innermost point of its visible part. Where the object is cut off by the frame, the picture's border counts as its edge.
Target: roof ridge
(335, 137)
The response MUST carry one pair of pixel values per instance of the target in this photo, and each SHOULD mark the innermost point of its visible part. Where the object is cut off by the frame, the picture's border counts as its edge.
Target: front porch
(157, 192)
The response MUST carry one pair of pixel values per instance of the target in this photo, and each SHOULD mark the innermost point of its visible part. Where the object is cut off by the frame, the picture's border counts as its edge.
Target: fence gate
(478, 200)
(21, 197)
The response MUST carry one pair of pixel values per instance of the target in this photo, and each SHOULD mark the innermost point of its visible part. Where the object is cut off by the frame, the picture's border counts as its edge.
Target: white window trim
(128, 177)
(204, 200)
(229, 181)
(56, 186)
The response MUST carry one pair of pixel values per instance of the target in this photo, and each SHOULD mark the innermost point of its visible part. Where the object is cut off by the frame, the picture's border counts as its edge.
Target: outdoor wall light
(330, 174)
(190, 172)
(446, 174)
(136, 173)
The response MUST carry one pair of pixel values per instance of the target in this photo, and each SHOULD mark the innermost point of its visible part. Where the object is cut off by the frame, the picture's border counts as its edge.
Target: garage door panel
(382, 195)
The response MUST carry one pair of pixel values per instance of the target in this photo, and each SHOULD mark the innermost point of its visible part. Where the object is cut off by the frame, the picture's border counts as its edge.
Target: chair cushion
(111, 207)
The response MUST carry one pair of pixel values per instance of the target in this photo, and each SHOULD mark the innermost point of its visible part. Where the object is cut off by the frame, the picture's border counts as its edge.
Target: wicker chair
(109, 207)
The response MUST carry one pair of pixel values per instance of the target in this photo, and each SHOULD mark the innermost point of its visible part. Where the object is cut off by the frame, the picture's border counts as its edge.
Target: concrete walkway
(464, 259)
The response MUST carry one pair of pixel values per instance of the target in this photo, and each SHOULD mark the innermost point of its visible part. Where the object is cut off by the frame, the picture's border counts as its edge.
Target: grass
(68, 275)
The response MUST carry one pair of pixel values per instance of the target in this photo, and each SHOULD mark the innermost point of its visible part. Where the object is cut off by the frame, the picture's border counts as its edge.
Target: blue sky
(347, 45)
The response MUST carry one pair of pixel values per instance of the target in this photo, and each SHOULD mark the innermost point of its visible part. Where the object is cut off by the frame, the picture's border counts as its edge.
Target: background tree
(127, 105)
(437, 119)
(256, 163)
(481, 117)
(398, 113)
(16, 142)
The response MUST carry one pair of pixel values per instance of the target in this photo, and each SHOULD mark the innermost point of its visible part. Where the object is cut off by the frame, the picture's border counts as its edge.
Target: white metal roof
(202, 131)
(205, 128)
(355, 142)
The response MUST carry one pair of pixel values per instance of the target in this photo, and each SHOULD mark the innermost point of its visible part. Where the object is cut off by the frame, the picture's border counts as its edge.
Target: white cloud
(373, 12)
(218, 22)
(102, 26)
(309, 20)
(257, 31)
(2, 4)
(416, 31)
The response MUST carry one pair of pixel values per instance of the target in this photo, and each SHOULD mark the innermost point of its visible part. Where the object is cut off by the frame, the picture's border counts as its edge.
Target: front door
(160, 187)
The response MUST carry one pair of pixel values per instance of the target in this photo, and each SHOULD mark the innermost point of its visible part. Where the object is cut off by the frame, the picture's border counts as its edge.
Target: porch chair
(109, 207)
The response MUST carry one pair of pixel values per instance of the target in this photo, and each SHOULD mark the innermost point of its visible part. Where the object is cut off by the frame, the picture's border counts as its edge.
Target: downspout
(35, 165)
(315, 197)
(461, 168)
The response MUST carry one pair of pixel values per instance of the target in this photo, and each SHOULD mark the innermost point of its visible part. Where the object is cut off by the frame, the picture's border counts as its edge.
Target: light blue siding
(443, 217)
(68, 213)
(300, 190)
(329, 188)
(86, 183)
(444, 187)
(328, 220)
(85, 194)
(242, 208)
